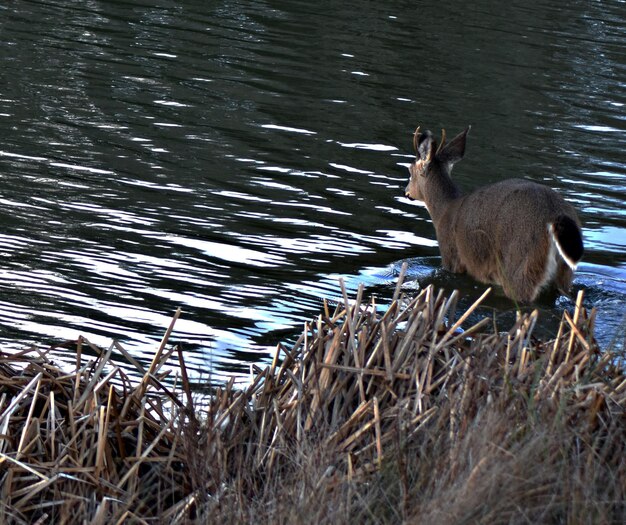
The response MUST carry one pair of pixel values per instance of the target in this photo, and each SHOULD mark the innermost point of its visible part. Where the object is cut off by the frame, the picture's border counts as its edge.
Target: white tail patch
(572, 264)
(550, 271)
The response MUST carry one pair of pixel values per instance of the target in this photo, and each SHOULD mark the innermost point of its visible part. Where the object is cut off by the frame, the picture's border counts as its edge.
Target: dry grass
(369, 418)
(88, 445)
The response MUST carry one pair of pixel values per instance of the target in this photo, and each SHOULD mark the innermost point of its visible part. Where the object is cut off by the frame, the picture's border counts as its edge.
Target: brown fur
(499, 233)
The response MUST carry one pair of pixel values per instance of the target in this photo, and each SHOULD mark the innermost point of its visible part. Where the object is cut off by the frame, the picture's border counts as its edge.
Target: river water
(234, 158)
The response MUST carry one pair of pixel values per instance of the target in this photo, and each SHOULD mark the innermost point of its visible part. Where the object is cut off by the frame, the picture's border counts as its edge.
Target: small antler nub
(416, 137)
(443, 140)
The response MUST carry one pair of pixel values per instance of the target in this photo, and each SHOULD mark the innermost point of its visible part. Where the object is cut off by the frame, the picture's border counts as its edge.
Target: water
(236, 158)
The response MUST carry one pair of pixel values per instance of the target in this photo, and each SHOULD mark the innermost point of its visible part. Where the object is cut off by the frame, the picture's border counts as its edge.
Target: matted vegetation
(368, 417)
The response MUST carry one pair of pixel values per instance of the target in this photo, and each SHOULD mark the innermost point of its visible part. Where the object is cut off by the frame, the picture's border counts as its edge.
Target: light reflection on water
(237, 160)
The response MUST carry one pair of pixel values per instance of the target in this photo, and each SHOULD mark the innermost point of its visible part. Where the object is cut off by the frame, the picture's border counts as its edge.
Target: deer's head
(432, 160)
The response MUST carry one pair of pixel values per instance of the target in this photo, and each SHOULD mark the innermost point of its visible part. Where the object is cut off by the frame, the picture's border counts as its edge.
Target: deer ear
(454, 150)
(427, 147)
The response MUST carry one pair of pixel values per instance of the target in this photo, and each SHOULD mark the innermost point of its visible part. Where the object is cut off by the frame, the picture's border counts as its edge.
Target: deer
(516, 233)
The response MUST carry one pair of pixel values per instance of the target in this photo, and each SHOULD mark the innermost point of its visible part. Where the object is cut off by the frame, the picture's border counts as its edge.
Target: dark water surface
(235, 158)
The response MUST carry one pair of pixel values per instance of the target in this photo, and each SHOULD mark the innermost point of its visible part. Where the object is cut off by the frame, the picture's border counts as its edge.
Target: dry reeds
(368, 387)
(89, 444)
(378, 417)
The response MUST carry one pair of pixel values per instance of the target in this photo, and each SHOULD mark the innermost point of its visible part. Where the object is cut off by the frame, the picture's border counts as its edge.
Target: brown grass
(367, 418)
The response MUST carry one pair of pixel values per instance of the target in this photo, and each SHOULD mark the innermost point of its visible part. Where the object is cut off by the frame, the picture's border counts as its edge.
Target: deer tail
(568, 239)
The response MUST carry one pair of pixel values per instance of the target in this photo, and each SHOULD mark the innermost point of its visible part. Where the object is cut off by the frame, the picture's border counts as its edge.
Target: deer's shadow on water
(604, 288)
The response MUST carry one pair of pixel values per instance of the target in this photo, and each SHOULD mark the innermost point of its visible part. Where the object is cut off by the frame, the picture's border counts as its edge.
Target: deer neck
(439, 191)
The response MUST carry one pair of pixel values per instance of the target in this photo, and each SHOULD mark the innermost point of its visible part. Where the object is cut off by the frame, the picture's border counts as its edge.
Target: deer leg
(451, 261)
(564, 278)
(525, 274)
(520, 287)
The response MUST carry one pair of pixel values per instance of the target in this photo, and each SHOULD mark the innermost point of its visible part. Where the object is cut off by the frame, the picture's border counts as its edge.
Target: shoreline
(383, 417)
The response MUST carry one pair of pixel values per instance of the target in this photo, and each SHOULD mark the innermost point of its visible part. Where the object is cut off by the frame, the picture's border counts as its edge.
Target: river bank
(401, 416)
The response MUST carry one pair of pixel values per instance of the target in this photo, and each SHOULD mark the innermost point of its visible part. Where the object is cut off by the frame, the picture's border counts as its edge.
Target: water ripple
(238, 159)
